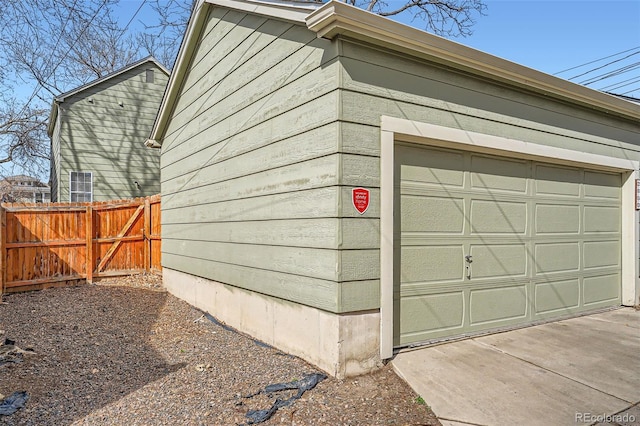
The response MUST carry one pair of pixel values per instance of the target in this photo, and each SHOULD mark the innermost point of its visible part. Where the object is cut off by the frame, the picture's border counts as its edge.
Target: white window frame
(80, 192)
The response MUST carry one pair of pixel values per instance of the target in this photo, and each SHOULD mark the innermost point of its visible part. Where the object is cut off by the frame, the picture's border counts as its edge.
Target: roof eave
(194, 27)
(53, 116)
(279, 9)
(337, 18)
(151, 143)
(62, 97)
(283, 11)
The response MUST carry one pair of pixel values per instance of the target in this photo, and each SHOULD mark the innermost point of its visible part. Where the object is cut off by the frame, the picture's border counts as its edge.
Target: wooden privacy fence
(55, 243)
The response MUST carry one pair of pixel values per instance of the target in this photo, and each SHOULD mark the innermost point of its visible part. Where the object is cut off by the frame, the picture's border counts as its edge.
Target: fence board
(3, 250)
(156, 241)
(52, 243)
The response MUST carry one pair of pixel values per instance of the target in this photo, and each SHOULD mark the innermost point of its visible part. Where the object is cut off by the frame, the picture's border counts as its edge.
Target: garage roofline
(290, 11)
(336, 18)
(394, 129)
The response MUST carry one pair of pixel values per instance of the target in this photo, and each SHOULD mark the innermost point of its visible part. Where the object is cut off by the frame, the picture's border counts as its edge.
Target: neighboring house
(24, 189)
(340, 185)
(96, 132)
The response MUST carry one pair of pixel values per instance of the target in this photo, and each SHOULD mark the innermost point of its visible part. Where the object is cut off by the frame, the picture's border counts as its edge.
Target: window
(81, 188)
(38, 197)
(149, 76)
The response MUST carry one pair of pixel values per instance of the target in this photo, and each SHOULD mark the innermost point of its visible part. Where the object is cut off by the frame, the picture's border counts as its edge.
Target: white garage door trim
(396, 129)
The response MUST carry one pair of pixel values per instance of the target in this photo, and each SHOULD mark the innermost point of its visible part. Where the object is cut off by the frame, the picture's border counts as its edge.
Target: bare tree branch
(51, 46)
(162, 39)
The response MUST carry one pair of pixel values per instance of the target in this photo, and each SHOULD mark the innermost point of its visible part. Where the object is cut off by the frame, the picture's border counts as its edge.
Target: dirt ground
(126, 352)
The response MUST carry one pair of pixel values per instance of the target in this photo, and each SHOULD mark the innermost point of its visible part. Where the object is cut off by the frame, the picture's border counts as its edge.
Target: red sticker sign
(360, 197)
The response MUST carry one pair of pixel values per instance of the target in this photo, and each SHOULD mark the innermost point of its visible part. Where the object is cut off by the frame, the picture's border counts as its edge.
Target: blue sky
(552, 36)
(546, 35)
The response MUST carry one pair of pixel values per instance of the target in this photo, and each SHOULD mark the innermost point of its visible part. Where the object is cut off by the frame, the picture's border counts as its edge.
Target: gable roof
(337, 18)
(288, 10)
(62, 97)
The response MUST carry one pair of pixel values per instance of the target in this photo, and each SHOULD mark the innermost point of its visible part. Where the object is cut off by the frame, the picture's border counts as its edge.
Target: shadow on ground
(82, 364)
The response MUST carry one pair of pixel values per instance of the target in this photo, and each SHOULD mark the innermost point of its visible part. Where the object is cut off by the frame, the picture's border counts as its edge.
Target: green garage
(482, 233)
(339, 185)
(489, 242)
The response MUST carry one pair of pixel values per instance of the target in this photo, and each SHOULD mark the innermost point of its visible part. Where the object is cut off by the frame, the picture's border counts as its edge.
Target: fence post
(147, 235)
(3, 250)
(89, 247)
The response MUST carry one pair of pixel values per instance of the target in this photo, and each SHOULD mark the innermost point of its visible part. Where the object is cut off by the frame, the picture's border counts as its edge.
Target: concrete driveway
(568, 372)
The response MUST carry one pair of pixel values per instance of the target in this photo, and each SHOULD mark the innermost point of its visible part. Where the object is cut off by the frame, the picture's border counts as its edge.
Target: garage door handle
(468, 259)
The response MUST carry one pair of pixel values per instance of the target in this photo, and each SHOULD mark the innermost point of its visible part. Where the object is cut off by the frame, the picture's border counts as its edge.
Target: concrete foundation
(341, 344)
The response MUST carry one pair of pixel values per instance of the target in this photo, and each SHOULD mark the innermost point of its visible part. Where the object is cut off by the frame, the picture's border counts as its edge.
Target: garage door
(486, 242)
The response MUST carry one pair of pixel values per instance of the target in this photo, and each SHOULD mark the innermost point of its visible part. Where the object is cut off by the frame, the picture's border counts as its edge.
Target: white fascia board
(190, 40)
(408, 130)
(284, 10)
(53, 116)
(62, 97)
(337, 18)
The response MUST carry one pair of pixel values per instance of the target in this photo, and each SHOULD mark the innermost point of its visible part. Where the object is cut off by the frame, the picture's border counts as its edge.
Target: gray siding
(251, 167)
(103, 131)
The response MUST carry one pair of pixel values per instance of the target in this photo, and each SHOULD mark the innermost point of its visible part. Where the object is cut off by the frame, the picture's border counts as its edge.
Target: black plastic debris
(13, 403)
(308, 382)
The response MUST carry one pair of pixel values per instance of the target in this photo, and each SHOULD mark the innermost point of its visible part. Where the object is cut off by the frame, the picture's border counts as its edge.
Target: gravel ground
(125, 352)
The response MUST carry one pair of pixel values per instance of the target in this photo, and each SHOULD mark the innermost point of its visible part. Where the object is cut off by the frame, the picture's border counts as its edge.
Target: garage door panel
(491, 173)
(433, 168)
(601, 289)
(498, 260)
(544, 240)
(432, 215)
(602, 185)
(557, 219)
(601, 254)
(557, 181)
(420, 316)
(431, 264)
(556, 296)
(557, 257)
(601, 219)
(497, 305)
(498, 217)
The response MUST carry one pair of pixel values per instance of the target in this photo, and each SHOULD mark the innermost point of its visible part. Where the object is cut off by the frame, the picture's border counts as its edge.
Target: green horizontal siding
(251, 168)
(99, 135)
(376, 82)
